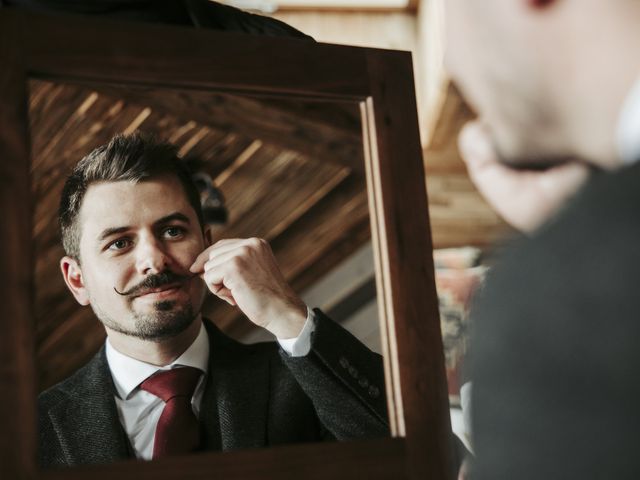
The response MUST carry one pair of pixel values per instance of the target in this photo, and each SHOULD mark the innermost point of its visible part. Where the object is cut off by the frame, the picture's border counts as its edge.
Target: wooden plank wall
(459, 215)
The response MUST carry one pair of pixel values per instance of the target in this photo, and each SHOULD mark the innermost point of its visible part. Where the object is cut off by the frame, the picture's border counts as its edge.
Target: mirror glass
(288, 171)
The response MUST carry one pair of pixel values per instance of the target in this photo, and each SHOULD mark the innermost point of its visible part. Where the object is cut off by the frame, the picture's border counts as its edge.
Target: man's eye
(119, 244)
(173, 232)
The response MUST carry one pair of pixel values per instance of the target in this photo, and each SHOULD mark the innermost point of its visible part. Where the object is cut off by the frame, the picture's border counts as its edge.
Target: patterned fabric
(458, 275)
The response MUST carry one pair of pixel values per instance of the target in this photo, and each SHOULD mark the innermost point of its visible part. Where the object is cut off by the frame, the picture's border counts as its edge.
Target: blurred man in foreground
(555, 151)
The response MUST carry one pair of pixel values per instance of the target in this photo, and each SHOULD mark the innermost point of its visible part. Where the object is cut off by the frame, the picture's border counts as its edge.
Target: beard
(167, 320)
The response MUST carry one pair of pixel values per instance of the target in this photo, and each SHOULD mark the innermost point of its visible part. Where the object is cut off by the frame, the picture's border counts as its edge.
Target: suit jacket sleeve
(344, 380)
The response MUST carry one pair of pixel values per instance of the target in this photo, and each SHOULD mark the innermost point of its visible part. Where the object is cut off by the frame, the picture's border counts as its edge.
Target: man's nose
(151, 256)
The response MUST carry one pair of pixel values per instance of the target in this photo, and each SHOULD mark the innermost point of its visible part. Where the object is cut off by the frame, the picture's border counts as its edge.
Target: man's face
(496, 54)
(137, 243)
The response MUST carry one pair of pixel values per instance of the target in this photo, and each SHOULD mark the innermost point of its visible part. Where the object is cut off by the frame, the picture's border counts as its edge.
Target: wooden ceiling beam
(459, 215)
(316, 139)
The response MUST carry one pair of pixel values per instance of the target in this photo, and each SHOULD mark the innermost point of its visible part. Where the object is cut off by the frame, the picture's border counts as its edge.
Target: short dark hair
(133, 158)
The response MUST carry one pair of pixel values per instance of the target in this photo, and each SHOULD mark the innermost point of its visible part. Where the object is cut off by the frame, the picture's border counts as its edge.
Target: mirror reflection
(214, 256)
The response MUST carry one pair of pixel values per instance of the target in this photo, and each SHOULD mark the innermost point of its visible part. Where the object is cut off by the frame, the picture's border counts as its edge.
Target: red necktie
(178, 430)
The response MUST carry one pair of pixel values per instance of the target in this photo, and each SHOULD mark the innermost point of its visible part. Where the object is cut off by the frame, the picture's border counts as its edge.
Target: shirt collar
(128, 372)
(628, 131)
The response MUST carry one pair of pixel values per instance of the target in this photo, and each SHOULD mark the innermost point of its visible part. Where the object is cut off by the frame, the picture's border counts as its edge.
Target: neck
(155, 352)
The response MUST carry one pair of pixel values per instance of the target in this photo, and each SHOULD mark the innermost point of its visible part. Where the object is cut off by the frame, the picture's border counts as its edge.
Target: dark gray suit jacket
(255, 396)
(556, 347)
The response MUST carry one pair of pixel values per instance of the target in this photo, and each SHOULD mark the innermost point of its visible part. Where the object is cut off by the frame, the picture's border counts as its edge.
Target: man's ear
(72, 274)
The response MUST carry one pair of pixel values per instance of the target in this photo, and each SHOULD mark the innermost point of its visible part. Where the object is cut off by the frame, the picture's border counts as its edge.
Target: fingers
(475, 146)
(524, 199)
(225, 266)
(223, 293)
(493, 179)
(245, 273)
(219, 248)
(214, 276)
(198, 263)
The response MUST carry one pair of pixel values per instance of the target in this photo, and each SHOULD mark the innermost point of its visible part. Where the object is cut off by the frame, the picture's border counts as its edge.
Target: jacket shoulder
(216, 16)
(82, 379)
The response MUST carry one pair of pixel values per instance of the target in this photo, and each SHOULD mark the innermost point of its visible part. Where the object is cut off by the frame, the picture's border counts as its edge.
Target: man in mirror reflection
(555, 357)
(168, 381)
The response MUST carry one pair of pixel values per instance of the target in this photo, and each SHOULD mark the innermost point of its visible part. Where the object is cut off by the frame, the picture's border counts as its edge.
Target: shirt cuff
(300, 345)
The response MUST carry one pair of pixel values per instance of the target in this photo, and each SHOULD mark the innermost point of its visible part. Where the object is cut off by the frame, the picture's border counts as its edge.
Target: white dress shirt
(139, 410)
(628, 130)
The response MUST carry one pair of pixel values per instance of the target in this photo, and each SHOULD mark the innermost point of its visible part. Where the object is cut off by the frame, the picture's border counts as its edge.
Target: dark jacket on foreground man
(558, 357)
(196, 13)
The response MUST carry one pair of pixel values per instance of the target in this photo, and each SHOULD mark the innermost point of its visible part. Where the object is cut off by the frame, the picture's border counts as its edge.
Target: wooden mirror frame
(79, 49)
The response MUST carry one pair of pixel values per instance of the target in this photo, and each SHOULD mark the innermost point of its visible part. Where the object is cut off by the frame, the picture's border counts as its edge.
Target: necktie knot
(177, 382)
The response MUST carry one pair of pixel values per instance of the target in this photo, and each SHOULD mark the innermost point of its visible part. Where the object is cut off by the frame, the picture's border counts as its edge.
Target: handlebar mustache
(156, 280)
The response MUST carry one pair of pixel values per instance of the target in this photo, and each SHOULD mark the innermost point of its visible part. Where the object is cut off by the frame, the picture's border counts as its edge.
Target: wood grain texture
(380, 459)
(17, 372)
(460, 216)
(317, 137)
(191, 59)
(407, 271)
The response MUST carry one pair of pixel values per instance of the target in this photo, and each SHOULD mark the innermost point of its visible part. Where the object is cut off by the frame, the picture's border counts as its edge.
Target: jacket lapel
(239, 383)
(234, 409)
(87, 424)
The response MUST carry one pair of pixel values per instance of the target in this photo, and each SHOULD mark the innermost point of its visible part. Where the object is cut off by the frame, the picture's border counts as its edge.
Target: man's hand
(244, 272)
(463, 473)
(525, 199)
